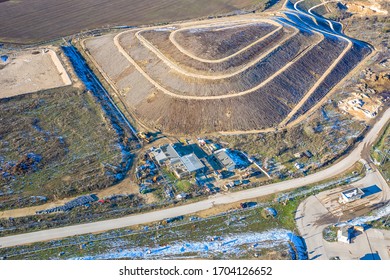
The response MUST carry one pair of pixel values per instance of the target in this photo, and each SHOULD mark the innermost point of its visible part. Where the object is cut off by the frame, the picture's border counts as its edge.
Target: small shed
(345, 234)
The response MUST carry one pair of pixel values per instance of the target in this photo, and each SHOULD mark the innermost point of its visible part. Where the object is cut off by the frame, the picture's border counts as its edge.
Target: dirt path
(285, 122)
(326, 73)
(60, 68)
(184, 72)
(124, 187)
(180, 48)
(164, 90)
(321, 102)
(319, 5)
(317, 84)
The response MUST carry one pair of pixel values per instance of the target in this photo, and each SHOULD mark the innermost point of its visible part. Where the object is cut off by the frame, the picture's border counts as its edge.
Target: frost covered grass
(227, 245)
(232, 235)
(191, 230)
(374, 216)
(75, 142)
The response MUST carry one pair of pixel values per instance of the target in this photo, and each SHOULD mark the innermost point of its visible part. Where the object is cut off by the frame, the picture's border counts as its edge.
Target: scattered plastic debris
(4, 58)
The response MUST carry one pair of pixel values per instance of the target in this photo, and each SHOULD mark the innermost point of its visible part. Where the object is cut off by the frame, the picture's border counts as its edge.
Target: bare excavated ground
(218, 42)
(33, 21)
(31, 71)
(248, 73)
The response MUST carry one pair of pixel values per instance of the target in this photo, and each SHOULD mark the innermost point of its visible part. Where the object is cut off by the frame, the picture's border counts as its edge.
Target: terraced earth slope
(244, 73)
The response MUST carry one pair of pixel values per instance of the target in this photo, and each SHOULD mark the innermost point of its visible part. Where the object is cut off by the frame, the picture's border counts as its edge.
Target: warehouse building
(182, 164)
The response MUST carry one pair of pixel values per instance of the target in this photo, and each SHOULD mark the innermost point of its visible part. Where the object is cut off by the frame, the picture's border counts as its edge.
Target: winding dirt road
(183, 50)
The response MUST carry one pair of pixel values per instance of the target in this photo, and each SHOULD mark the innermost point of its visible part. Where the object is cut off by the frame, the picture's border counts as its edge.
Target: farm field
(28, 22)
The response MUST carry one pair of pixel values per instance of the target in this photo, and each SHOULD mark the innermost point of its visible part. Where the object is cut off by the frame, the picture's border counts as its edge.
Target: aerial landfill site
(229, 129)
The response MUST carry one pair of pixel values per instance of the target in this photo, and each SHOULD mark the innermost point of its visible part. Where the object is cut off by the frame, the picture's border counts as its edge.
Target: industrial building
(180, 159)
(350, 195)
(186, 165)
(164, 153)
(228, 160)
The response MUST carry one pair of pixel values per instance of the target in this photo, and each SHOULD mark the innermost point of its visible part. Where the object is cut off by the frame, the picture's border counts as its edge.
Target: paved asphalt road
(158, 215)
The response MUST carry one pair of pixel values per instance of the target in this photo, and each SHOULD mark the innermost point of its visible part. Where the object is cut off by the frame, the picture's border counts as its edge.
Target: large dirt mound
(242, 74)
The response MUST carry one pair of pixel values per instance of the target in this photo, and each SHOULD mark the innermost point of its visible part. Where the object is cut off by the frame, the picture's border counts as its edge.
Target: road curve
(327, 72)
(183, 50)
(218, 97)
(339, 167)
(184, 72)
(330, 23)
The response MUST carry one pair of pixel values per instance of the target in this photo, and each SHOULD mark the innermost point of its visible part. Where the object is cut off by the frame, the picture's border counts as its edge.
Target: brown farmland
(39, 20)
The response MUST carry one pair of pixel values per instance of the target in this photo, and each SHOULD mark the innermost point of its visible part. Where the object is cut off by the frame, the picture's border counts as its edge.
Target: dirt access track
(246, 73)
(31, 71)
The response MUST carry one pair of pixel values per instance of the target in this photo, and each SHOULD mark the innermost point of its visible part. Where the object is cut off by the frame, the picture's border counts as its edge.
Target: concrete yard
(373, 244)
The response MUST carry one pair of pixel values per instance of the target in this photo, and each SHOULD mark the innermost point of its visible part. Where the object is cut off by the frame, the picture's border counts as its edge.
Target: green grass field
(381, 152)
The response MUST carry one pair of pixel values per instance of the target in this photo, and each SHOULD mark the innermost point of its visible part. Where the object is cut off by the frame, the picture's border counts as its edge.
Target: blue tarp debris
(4, 58)
(271, 211)
(299, 245)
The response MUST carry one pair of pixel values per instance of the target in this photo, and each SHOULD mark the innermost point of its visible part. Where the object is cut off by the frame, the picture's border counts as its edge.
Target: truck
(144, 136)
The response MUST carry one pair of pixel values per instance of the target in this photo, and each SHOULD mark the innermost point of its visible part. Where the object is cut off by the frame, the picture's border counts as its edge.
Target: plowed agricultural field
(27, 21)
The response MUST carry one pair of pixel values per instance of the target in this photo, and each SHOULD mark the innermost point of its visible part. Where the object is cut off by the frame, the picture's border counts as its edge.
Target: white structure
(344, 234)
(350, 195)
(165, 153)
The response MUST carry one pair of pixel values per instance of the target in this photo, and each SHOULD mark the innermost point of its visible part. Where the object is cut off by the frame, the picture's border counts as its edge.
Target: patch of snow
(377, 214)
(227, 244)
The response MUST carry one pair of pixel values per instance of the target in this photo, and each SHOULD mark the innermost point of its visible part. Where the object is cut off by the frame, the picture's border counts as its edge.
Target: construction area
(31, 71)
(125, 120)
(250, 73)
(351, 201)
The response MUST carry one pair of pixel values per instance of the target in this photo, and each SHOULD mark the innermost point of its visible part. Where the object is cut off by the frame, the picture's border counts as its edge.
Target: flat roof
(192, 162)
(352, 193)
(224, 157)
(170, 151)
(159, 155)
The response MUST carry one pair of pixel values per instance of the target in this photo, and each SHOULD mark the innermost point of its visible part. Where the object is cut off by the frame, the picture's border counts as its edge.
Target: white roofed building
(350, 195)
